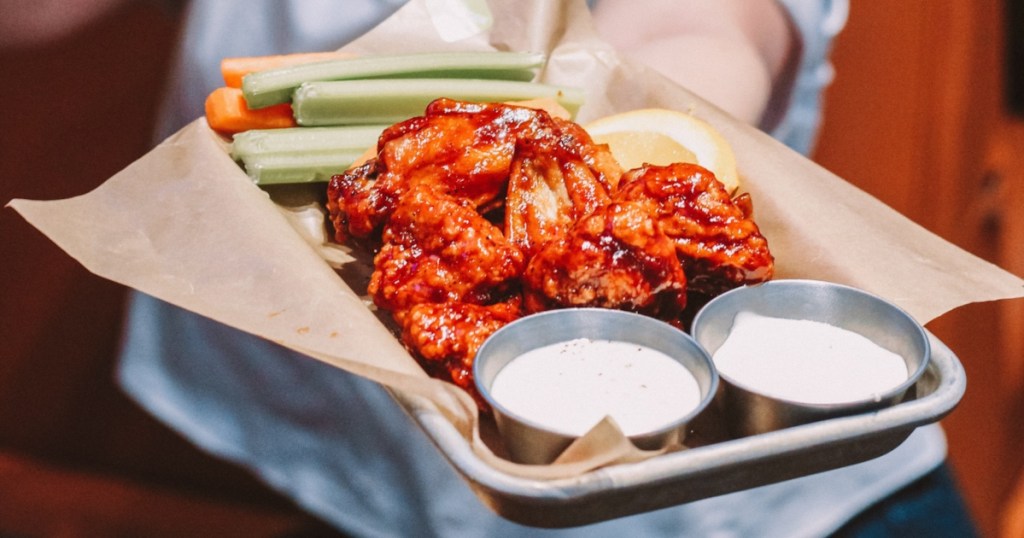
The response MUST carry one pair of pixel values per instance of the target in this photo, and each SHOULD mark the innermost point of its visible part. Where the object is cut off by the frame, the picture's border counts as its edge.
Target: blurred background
(926, 113)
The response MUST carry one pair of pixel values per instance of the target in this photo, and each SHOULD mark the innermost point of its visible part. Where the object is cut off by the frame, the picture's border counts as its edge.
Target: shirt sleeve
(817, 22)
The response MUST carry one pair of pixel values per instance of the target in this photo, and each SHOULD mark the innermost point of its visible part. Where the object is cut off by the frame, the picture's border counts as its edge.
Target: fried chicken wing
(468, 150)
(462, 151)
(616, 257)
(436, 249)
(558, 175)
(357, 203)
(718, 243)
(538, 207)
(446, 336)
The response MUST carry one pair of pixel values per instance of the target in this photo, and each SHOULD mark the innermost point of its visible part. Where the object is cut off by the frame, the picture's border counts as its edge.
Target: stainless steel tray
(718, 466)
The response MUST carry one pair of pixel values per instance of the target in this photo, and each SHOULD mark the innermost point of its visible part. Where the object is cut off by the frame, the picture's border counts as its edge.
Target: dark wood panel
(43, 499)
(76, 112)
(915, 105)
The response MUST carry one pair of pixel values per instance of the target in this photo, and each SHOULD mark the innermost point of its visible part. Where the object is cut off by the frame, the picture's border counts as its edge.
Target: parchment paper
(185, 224)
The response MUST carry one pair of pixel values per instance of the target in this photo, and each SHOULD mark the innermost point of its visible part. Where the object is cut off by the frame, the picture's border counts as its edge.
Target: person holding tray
(339, 445)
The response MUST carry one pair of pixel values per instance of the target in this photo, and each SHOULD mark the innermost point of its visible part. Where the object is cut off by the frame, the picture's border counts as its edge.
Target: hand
(737, 54)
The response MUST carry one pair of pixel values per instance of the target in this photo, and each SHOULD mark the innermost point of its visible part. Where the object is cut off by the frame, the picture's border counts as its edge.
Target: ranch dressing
(571, 386)
(806, 361)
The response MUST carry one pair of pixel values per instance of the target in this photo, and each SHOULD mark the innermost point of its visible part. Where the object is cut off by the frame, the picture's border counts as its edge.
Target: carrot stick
(227, 113)
(233, 69)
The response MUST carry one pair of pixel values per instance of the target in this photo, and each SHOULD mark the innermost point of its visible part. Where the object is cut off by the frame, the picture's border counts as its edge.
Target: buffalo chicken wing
(615, 257)
(716, 239)
(446, 336)
(436, 249)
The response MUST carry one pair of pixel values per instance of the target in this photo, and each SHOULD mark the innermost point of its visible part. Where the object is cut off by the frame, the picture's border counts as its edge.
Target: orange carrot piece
(227, 113)
(233, 69)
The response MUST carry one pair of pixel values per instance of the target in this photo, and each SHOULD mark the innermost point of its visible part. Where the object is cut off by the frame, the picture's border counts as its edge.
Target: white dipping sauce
(571, 386)
(806, 361)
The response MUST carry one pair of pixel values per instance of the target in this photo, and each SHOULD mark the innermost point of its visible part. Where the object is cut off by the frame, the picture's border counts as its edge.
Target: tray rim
(544, 502)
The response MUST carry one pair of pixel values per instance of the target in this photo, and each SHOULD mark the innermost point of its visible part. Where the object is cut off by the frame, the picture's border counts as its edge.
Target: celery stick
(304, 140)
(353, 102)
(316, 166)
(272, 86)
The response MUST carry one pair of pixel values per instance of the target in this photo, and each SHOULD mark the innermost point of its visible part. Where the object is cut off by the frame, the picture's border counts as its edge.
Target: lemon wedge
(659, 137)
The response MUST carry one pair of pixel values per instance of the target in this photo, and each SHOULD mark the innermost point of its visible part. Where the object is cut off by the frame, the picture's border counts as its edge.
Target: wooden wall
(915, 117)
(77, 458)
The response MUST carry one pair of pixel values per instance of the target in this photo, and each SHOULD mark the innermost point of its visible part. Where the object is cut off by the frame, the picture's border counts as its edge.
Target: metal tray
(718, 466)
